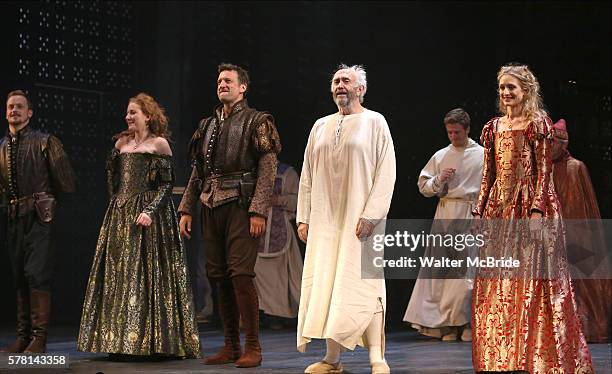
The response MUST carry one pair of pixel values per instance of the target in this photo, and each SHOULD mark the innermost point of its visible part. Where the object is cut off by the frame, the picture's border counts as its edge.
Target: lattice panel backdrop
(76, 58)
(76, 61)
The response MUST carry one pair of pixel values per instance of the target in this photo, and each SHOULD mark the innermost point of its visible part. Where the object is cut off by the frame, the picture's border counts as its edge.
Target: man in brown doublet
(234, 157)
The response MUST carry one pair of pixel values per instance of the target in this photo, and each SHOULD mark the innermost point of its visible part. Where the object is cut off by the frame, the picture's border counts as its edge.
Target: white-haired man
(346, 186)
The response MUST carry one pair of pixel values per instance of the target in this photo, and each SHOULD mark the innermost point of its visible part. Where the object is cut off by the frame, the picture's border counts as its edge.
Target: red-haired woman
(139, 300)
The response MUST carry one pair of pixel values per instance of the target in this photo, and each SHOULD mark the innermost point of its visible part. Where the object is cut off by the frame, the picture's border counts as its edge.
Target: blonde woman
(523, 319)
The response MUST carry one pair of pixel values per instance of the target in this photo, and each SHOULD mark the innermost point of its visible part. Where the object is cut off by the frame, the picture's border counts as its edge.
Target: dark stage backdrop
(81, 61)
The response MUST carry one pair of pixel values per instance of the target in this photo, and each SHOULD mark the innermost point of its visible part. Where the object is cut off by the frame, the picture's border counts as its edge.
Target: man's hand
(143, 220)
(258, 226)
(364, 229)
(303, 231)
(185, 226)
(446, 174)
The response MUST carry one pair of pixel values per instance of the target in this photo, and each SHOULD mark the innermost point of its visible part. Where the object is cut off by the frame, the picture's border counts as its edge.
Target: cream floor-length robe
(347, 175)
(439, 303)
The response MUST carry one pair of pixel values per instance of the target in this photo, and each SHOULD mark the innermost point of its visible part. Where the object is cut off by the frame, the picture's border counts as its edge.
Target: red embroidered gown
(524, 322)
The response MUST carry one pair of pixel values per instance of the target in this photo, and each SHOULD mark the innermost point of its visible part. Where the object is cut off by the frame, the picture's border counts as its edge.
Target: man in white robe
(441, 308)
(346, 187)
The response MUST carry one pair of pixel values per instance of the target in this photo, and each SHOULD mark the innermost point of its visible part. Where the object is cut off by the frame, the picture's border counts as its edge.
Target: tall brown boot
(40, 303)
(248, 303)
(24, 328)
(231, 319)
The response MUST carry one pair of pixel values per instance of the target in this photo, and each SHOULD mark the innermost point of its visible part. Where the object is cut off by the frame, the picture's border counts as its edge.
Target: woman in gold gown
(524, 320)
(139, 299)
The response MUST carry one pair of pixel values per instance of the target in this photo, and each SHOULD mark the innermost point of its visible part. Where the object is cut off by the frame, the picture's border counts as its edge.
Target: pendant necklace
(137, 144)
(510, 123)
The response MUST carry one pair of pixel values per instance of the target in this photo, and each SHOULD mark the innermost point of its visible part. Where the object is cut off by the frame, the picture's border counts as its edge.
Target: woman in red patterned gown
(523, 319)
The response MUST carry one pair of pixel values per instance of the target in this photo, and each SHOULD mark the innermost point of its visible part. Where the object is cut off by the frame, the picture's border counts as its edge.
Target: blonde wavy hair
(533, 107)
(158, 121)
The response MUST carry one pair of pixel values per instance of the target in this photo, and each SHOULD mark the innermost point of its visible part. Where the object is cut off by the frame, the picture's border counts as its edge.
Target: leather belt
(20, 206)
(23, 205)
(226, 181)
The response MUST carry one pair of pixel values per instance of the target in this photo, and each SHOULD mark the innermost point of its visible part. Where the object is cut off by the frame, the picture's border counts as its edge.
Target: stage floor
(407, 352)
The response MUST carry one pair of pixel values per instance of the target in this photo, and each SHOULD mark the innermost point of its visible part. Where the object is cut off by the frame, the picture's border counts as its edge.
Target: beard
(17, 121)
(341, 101)
(345, 100)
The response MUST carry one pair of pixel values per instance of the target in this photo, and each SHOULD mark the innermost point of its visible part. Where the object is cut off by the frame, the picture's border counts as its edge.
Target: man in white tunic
(440, 308)
(346, 187)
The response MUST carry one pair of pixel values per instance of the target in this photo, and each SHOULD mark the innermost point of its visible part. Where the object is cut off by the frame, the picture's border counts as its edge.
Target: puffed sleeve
(539, 135)
(162, 175)
(487, 138)
(265, 137)
(267, 144)
(111, 180)
(61, 172)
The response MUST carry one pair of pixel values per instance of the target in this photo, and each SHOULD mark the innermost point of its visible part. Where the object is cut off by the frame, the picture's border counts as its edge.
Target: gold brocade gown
(139, 299)
(526, 321)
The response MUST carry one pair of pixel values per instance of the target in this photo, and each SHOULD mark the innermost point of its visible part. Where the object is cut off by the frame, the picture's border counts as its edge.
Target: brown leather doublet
(28, 165)
(223, 146)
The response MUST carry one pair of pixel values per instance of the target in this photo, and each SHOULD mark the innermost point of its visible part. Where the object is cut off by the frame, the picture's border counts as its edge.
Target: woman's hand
(536, 215)
(535, 225)
(144, 220)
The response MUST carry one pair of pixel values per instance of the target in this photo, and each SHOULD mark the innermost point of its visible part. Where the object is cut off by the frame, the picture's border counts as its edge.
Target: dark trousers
(30, 251)
(230, 249)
